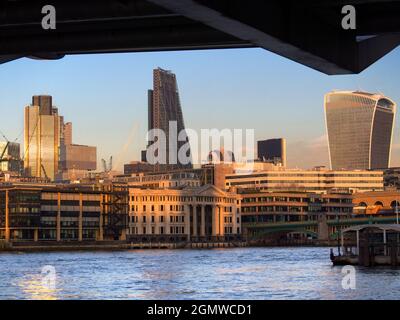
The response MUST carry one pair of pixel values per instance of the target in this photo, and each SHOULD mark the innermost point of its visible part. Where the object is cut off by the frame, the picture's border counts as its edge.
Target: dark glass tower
(164, 107)
(273, 150)
(45, 103)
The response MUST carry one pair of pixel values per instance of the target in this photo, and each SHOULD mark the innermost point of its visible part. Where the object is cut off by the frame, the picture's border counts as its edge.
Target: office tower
(44, 102)
(164, 106)
(272, 150)
(42, 138)
(10, 156)
(359, 127)
(67, 133)
(75, 160)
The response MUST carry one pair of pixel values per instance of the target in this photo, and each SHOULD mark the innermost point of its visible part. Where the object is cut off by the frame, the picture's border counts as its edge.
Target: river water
(242, 273)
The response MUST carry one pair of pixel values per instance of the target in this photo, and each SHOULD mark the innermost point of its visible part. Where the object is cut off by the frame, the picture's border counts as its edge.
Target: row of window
(292, 199)
(294, 209)
(181, 199)
(85, 203)
(304, 182)
(161, 219)
(161, 230)
(161, 208)
(24, 210)
(173, 230)
(312, 175)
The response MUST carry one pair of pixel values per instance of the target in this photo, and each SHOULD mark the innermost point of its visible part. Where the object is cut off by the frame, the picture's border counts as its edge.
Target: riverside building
(295, 215)
(318, 180)
(293, 206)
(187, 214)
(49, 212)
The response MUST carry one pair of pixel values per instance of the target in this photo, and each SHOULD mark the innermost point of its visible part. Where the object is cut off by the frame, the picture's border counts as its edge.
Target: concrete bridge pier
(323, 229)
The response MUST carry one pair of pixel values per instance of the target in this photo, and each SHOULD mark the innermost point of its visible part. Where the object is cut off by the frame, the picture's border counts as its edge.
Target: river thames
(243, 273)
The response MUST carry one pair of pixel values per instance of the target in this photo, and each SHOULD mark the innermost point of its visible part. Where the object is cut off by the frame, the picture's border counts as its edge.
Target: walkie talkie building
(359, 127)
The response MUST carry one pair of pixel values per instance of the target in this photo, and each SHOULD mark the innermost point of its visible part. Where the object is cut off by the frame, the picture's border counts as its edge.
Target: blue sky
(105, 97)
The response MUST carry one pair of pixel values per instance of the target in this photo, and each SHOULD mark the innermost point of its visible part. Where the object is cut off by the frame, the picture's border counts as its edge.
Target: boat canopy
(383, 227)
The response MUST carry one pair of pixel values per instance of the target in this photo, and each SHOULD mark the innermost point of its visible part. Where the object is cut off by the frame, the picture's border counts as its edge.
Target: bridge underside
(308, 32)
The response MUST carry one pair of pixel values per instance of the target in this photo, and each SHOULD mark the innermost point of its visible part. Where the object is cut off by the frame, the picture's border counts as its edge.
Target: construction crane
(2, 159)
(44, 171)
(9, 157)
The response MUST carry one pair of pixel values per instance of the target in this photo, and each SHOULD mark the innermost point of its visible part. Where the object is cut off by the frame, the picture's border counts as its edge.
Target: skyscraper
(273, 150)
(163, 107)
(42, 134)
(359, 127)
(75, 160)
(67, 133)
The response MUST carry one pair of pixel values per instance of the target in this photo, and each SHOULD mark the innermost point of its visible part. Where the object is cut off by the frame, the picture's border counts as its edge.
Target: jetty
(369, 245)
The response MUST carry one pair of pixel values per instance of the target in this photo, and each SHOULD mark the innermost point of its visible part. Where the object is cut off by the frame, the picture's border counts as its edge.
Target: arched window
(362, 204)
(379, 203)
(393, 204)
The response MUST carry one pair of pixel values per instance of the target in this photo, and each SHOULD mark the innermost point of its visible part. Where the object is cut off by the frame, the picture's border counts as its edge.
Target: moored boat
(369, 245)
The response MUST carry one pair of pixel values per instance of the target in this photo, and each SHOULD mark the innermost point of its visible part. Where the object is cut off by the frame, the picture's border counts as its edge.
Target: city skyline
(274, 113)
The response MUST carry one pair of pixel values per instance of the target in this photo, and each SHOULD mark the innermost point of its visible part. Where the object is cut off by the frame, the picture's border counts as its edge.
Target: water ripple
(243, 273)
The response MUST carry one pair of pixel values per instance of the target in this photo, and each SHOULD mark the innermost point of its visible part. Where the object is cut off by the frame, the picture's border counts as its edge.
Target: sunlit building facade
(49, 212)
(42, 135)
(183, 214)
(359, 127)
(75, 160)
(318, 180)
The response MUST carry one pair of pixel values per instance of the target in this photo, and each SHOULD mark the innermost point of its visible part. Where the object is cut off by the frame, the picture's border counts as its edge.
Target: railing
(355, 221)
(183, 238)
(280, 224)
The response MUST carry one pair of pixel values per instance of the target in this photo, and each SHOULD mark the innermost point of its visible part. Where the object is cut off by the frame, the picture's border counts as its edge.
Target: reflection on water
(33, 288)
(243, 273)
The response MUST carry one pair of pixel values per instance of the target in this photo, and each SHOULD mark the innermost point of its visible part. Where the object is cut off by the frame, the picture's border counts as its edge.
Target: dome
(221, 156)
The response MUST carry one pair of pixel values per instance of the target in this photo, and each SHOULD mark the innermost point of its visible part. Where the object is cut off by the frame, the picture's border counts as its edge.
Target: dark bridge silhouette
(260, 230)
(308, 31)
